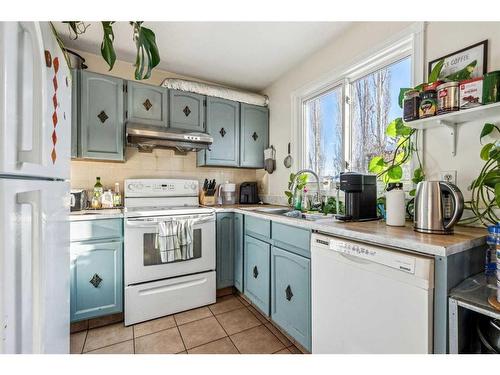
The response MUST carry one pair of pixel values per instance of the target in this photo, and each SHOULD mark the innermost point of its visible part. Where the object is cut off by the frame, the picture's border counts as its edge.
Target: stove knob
(193, 186)
(186, 185)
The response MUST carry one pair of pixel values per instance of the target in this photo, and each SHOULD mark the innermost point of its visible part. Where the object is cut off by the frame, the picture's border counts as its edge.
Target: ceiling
(248, 55)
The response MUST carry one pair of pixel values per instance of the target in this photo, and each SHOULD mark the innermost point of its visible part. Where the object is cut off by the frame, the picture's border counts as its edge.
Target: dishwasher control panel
(387, 257)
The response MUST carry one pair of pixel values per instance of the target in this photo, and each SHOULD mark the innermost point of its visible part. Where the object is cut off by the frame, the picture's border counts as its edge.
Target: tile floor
(230, 326)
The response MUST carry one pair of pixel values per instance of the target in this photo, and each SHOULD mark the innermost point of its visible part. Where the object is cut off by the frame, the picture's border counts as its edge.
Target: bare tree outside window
(324, 133)
(374, 105)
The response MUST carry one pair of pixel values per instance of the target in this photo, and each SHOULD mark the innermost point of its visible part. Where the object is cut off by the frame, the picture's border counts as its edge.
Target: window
(324, 133)
(340, 121)
(374, 103)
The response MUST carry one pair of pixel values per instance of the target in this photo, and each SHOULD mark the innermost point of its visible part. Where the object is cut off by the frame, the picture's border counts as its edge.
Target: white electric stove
(155, 286)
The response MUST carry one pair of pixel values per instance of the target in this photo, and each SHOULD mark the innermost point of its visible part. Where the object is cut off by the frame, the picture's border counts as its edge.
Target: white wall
(441, 39)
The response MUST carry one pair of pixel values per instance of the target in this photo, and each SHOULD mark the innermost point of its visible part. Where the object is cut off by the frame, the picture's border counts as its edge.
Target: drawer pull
(147, 104)
(96, 280)
(102, 116)
(255, 272)
(288, 292)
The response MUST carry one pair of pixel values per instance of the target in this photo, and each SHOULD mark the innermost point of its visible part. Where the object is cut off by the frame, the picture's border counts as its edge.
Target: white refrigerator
(35, 131)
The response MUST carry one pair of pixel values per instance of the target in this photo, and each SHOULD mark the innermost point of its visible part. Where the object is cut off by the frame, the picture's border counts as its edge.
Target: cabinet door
(291, 294)
(96, 279)
(225, 250)
(101, 119)
(223, 124)
(257, 272)
(238, 251)
(254, 135)
(75, 113)
(187, 111)
(147, 104)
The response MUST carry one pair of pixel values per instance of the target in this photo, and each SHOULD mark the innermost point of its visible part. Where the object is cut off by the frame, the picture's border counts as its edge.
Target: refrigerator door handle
(34, 155)
(33, 199)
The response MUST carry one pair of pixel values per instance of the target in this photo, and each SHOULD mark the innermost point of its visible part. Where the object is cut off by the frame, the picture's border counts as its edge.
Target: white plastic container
(395, 205)
(227, 193)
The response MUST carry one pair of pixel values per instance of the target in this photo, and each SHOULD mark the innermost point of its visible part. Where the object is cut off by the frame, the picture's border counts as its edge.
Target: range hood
(147, 137)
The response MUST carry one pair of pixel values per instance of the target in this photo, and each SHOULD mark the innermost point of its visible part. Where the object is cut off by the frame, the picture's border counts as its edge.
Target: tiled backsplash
(158, 164)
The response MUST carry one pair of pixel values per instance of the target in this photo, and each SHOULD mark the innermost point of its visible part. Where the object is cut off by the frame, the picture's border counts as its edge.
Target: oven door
(143, 257)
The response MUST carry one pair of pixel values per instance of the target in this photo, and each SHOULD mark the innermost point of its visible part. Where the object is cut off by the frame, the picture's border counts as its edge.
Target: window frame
(407, 43)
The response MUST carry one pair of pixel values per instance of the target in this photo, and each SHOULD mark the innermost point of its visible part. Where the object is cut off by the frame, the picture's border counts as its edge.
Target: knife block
(207, 200)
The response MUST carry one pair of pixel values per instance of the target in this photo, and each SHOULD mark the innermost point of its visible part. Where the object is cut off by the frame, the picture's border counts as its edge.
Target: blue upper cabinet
(75, 112)
(147, 104)
(225, 250)
(238, 251)
(96, 279)
(101, 117)
(223, 124)
(254, 135)
(187, 110)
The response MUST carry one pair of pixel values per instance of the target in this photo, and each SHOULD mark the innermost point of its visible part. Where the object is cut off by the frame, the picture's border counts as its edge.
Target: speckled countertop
(377, 232)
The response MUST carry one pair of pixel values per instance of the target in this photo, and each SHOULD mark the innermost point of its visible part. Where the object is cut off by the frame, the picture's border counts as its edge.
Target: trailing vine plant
(147, 56)
(406, 140)
(485, 188)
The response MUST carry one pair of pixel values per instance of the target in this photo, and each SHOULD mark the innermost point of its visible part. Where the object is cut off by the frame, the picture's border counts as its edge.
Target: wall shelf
(453, 119)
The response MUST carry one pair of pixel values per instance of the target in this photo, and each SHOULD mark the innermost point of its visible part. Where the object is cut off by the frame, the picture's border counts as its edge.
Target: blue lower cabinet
(291, 294)
(96, 279)
(257, 272)
(225, 250)
(238, 251)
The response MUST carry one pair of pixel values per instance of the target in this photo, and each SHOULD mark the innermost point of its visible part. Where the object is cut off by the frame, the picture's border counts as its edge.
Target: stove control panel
(160, 188)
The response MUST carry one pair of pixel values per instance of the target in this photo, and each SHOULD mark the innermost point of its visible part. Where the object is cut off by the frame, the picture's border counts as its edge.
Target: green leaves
(376, 165)
(394, 173)
(107, 49)
(488, 129)
(147, 51)
(397, 128)
(402, 95)
(485, 151)
(436, 71)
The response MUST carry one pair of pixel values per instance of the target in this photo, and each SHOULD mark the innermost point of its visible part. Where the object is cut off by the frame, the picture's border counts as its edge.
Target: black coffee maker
(360, 196)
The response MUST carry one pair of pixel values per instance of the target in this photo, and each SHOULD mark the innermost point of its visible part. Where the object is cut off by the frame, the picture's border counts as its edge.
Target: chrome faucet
(317, 198)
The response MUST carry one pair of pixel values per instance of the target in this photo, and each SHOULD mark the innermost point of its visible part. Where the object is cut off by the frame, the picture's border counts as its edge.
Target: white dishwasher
(369, 299)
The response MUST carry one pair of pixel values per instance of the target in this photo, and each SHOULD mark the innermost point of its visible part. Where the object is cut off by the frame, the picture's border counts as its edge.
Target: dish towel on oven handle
(185, 236)
(168, 241)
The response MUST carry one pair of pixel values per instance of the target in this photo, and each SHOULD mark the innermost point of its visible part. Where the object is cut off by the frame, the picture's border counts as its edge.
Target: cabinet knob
(255, 272)
(222, 132)
(147, 104)
(95, 280)
(102, 116)
(288, 293)
(255, 136)
(186, 111)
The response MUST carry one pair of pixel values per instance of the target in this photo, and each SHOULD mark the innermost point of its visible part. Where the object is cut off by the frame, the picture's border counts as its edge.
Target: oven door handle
(141, 223)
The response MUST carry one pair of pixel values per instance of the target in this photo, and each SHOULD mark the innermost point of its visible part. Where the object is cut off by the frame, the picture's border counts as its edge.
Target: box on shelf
(471, 92)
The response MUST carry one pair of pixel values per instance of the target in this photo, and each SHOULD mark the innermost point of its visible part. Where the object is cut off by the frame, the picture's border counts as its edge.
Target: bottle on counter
(117, 197)
(395, 205)
(304, 204)
(107, 199)
(492, 241)
(97, 194)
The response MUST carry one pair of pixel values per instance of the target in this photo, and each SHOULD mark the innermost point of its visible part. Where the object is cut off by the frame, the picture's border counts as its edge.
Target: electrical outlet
(448, 176)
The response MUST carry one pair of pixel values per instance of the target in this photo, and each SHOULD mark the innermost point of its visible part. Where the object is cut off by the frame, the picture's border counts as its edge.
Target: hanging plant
(147, 56)
(485, 188)
(406, 140)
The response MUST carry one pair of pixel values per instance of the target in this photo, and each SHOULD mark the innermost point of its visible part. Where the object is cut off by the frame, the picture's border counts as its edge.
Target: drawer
(257, 272)
(258, 228)
(291, 294)
(160, 298)
(96, 279)
(95, 229)
(294, 239)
